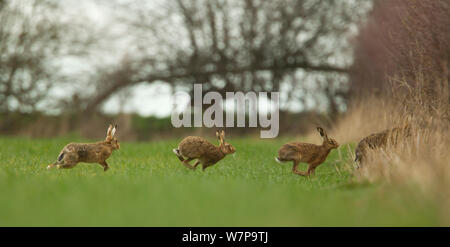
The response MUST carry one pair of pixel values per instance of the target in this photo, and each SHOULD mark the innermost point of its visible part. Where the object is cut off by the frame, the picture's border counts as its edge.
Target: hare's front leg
(206, 165)
(52, 165)
(67, 165)
(311, 170)
(105, 165)
(294, 169)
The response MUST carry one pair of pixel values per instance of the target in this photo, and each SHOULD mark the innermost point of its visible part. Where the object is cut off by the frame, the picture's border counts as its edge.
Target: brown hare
(312, 154)
(380, 140)
(98, 152)
(194, 147)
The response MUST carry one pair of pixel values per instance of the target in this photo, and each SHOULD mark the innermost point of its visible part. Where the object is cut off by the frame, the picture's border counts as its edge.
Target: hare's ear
(221, 135)
(108, 133)
(113, 132)
(218, 134)
(321, 131)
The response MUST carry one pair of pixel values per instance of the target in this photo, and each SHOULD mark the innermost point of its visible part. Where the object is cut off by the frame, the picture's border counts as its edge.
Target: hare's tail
(279, 160)
(178, 154)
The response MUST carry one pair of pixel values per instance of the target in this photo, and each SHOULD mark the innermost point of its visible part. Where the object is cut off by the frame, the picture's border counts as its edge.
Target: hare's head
(226, 148)
(327, 142)
(111, 138)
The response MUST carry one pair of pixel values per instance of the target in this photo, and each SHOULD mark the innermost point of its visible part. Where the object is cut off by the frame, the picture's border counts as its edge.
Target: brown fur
(380, 140)
(312, 154)
(98, 152)
(194, 147)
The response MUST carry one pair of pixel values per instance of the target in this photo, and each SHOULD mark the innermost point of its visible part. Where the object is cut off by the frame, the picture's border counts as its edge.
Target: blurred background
(75, 66)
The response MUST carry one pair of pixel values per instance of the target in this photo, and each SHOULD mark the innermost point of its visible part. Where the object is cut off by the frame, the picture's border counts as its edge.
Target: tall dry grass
(417, 92)
(420, 161)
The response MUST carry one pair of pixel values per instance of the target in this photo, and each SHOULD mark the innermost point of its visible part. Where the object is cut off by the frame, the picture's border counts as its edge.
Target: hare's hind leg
(58, 161)
(196, 164)
(104, 165)
(52, 165)
(69, 161)
(294, 169)
(186, 163)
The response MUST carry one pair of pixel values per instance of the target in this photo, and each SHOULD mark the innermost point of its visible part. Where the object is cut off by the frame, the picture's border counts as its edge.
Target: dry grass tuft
(421, 160)
(412, 62)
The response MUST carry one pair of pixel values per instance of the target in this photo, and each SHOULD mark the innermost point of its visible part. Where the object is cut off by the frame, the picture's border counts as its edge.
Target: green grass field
(147, 186)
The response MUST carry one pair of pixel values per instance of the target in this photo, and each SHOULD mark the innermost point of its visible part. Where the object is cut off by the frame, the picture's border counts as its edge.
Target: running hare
(380, 140)
(194, 147)
(312, 154)
(98, 152)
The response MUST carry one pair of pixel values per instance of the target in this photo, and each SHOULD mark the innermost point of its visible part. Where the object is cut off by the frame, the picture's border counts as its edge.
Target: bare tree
(34, 37)
(231, 45)
(27, 39)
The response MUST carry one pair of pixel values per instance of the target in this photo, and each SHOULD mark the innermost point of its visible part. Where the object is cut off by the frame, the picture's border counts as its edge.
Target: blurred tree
(402, 38)
(231, 45)
(27, 39)
(34, 37)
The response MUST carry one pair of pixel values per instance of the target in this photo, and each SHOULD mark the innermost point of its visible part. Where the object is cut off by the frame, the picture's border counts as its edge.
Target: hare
(194, 147)
(312, 154)
(380, 140)
(98, 152)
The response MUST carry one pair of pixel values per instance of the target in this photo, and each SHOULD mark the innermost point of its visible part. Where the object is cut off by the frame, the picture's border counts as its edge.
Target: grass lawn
(148, 186)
